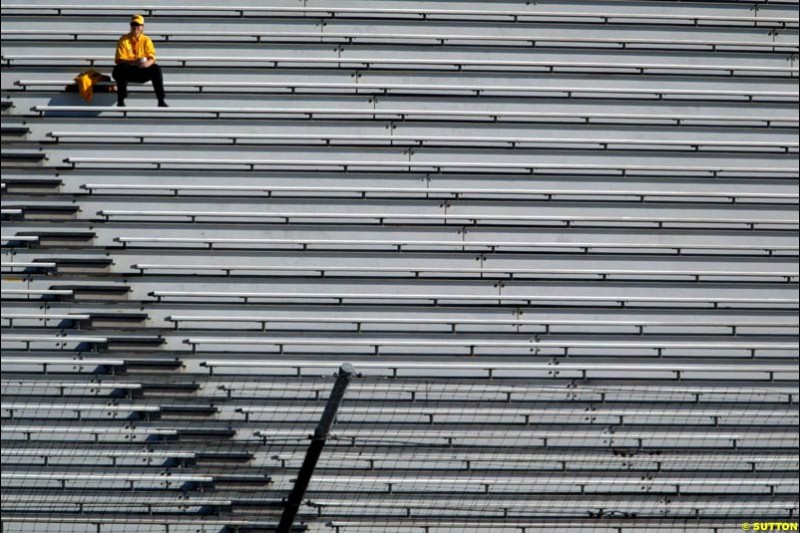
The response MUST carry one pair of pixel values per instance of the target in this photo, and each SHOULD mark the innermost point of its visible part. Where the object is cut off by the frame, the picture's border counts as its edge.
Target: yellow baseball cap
(137, 19)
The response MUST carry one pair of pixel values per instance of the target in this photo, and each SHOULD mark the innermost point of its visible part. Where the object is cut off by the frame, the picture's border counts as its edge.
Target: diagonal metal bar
(315, 448)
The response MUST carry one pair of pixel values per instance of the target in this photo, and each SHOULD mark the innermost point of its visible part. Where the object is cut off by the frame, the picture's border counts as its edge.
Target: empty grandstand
(557, 241)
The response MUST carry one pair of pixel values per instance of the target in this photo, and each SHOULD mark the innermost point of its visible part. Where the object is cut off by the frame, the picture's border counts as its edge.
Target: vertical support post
(315, 448)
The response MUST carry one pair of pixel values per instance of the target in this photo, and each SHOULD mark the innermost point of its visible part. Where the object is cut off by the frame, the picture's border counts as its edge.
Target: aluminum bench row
(554, 508)
(245, 296)
(502, 15)
(386, 88)
(387, 217)
(774, 298)
(433, 220)
(436, 265)
(491, 116)
(528, 438)
(238, 391)
(587, 458)
(197, 343)
(459, 64)
(397, 244)
(392, 410)
(452, 323)
(148, 505)
(759, 371)
(385, 403)
(83, 365)
(238, 388)
(383, 346)
(402, 391)
(418, 271)
(471, 414)
(411, 390)
(533, 39)
(612, 523)
(638, 326)
(436, 483)
(532, 167)
(676, 459)
(114, 431)
(645, 191)
(425, 434)
(490, 368)
(125, 456)
(226, 397)
(387, 210)
(488, 506)
(499, 418)
(99, 523)
(393, 202)
(33, 387)
(463, 291)
(419, 140)
(534, 482)
(102, 523)
(454, 191)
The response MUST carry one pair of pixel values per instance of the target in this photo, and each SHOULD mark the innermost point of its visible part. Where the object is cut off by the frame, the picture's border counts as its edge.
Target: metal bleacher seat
(31, 387)
(440, 298)
(515, 15)
(398, 244)
(492, 368)
(586, 117)
(393, 140)
(455, 63)
(471, 219)
(387, 88)
(453, 324)
(419, 271)
(542, 38)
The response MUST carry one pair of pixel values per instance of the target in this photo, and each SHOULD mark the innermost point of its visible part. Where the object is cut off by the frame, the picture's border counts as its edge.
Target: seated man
(136, 61)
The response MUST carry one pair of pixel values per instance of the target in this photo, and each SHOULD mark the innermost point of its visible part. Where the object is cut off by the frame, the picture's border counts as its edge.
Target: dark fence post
(315, 448)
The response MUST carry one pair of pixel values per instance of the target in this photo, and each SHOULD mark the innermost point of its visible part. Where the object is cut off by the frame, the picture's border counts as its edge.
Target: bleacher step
(14, 159)
(114, 320)
(14, 133)
(96, 292)
(138, 342)
(151, 365)
(60, 238)
(31, 185)
(69, 265)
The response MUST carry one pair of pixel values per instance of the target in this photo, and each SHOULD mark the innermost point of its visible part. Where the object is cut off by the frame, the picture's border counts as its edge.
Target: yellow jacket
(86, 81)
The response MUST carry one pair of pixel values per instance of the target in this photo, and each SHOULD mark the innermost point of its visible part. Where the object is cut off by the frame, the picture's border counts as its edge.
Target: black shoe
(120, 103)
(162, 103)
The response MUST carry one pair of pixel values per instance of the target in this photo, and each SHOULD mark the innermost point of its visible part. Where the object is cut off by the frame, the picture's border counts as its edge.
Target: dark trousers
(124, 73)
